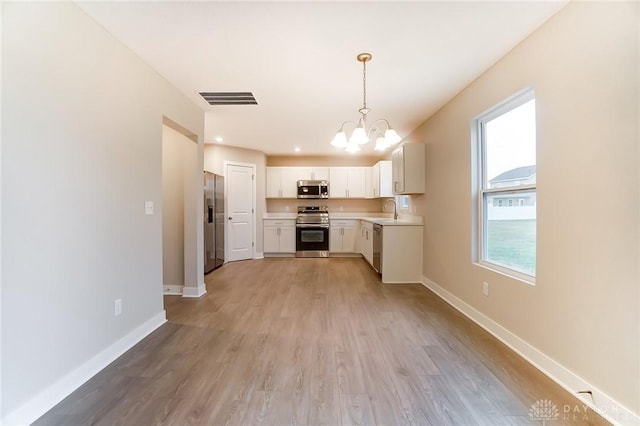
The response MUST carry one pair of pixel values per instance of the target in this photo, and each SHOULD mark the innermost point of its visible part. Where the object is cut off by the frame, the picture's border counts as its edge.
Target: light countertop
(384, 219)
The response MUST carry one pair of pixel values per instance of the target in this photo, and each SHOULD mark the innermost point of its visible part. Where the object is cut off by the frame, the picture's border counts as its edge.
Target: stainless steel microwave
(313, 189)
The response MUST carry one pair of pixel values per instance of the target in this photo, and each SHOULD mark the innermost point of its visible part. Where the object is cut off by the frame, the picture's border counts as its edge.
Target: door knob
(230, 218)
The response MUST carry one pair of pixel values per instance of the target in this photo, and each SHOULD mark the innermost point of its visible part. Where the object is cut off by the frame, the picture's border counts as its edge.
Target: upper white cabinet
(282, 182)
(313, 173)
(380, 180)
(344, 182)
(408, 169)
(347, 182)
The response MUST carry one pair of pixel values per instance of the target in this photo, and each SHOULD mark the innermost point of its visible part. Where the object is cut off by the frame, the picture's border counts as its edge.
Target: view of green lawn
(512, 243)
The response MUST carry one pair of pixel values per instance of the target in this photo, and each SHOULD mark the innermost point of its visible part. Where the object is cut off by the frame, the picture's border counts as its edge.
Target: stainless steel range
(312, 231)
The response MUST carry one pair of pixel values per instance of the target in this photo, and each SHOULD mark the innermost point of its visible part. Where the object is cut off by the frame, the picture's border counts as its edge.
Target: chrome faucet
(395, 210)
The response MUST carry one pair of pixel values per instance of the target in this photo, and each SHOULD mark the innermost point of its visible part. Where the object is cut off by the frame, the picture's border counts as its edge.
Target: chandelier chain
(386, 136)
(364, 85)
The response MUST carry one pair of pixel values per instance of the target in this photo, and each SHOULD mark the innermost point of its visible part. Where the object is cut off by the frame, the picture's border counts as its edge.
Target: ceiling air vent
(229, 98)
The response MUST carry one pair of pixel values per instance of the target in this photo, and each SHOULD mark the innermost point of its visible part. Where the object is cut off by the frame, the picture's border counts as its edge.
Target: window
(403, 202)
(505, 151)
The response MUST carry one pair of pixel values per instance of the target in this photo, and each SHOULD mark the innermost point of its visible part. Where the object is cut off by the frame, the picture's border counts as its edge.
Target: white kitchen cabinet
(401, 254)
(366, 241)
(408, 169)
(347, 182)
(279, 236)
(380, 180)
(281, 182)
(313, 173)
(342, 236)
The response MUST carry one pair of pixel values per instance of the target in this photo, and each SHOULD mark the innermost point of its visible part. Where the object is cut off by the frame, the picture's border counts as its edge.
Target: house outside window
(505, 151)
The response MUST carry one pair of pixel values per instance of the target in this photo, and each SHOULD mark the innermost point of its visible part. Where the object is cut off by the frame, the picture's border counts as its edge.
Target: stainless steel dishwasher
(377, 247)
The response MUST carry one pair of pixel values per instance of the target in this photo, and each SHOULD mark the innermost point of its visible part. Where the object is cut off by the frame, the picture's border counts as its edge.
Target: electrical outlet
(485, 288)
(117, 307)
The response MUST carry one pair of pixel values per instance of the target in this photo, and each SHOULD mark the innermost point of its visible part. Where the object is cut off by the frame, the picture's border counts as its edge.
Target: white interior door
(240, 211)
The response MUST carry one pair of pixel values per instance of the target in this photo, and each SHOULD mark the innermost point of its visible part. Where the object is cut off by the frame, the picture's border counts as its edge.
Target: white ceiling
(299, 59)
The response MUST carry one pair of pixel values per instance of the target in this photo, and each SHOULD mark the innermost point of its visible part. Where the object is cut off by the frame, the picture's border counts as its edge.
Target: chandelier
(385, 136)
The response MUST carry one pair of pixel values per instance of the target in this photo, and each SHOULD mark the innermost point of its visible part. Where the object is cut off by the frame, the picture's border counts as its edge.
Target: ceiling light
(219, 139)
(361, 134)
(296, 149)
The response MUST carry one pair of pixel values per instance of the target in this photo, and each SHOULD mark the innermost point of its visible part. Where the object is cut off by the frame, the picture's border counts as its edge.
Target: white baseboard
(49, 397)
(603, 404)
(194, 291)
(172, 290)
(259, 255)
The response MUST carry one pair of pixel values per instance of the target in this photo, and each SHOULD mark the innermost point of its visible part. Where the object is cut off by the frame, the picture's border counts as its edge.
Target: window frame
(481, 180)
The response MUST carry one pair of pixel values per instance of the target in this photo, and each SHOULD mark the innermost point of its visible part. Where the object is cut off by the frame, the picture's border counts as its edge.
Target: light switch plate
(148, 207)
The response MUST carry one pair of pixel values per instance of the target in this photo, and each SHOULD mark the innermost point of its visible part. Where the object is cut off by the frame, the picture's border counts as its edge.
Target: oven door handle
(311, 225)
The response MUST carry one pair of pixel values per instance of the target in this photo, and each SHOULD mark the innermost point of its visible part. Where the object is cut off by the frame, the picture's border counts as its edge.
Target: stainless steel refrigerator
(213, 221)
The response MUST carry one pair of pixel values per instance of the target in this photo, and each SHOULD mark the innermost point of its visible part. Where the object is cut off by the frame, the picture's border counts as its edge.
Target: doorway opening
(179, 207)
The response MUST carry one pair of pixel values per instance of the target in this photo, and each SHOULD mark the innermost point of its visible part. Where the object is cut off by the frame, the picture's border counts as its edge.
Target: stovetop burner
(313, 215)
(313, 209)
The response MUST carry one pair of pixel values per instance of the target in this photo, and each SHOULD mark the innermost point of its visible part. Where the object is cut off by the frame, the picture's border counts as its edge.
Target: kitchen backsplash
(339, 205)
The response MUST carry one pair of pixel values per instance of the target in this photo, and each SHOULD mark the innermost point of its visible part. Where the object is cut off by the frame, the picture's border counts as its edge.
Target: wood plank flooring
(312, 342)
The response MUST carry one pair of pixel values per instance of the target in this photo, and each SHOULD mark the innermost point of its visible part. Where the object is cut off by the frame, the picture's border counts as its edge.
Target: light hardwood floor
(315, 341)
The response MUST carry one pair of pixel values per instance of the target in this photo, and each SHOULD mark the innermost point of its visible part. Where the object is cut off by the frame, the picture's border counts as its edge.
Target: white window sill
(510, 273)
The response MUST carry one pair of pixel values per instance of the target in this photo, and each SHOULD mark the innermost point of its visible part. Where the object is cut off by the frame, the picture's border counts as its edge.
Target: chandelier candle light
(361, 134)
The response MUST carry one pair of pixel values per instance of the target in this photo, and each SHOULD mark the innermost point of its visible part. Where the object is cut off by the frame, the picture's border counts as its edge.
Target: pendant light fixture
(385, 136)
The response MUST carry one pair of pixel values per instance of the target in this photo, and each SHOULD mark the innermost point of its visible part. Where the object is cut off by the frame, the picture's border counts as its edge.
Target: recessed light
(296, 149)
(219, 139)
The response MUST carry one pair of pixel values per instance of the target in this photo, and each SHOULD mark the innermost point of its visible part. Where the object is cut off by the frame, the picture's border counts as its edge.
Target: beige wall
(583, 311)
(81, 153)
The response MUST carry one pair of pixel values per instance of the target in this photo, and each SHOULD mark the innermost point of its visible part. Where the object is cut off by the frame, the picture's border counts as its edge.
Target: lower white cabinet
(279, 236)
(401, 254)
(342, 236)
(366, 241)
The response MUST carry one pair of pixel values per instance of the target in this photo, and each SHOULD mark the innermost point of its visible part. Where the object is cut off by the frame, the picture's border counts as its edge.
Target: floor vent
(229, 98)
